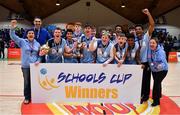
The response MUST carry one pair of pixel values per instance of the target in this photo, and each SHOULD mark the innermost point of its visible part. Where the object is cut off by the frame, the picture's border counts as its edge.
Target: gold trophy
(44, 49)
(78, 50)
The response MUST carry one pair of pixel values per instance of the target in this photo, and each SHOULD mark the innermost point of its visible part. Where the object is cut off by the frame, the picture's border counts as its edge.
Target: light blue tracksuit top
(29, 50)
(144, 45)
(157, 57)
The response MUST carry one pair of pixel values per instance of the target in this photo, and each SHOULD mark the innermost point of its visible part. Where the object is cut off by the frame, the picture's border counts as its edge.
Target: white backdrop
(52, 82)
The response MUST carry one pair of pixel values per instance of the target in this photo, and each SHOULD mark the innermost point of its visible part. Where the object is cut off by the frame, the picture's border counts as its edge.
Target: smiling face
(69, 35)
(37, 22)
(153, 44)
(139, 31)
(118, 29)
(30, 35)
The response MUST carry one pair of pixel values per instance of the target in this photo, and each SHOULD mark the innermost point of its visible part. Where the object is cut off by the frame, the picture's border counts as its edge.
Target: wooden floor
(11, 86)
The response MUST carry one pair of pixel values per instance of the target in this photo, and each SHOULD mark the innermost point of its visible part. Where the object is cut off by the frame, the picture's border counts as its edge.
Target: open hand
(43, 52)
(142, 66)
(75, 45)
(159, 67)
(36, 63)
(119, 64)
(13, 23)
(105, 64)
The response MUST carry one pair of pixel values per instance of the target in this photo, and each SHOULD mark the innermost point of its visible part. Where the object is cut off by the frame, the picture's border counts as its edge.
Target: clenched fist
(146, 11)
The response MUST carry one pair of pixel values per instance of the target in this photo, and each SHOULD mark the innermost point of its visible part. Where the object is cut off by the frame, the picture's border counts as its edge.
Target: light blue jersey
(88, 56)
(131, 55)
(113, 41)
(70, 44)
(77, 37)
(55, 54)
(103, 52)
(144, 45)
(120, 52)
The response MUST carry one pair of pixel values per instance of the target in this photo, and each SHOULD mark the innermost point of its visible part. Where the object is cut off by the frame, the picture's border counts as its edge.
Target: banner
(173, 57)
(85, 83)
(14, 53)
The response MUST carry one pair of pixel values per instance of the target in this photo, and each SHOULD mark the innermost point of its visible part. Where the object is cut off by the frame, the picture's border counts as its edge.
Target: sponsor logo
(46, 82)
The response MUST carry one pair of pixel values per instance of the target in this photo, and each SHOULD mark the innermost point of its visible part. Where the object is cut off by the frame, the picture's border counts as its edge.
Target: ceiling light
(57, 3)
(123, 5)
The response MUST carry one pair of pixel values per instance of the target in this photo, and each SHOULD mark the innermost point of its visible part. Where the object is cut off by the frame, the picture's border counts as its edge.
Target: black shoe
(144, 100)
(26, 101)
(141, 101)
(154, 104)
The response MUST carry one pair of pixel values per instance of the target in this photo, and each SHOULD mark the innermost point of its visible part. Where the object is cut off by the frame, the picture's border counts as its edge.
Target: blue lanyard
(120, 50)
(152, 55)
(78, 35)
(31, 46)
(87, 40)
(38, 33)
(130, 51)
(140, 41)
(57, 46)
(104, 47)
(69, 43)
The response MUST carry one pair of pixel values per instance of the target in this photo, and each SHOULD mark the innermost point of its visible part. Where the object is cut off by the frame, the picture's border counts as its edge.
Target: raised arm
(151, 21)
(12, 34)
(93, 44)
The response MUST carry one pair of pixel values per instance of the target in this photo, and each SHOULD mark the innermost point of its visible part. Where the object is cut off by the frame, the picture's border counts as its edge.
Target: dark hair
(121, 35)
(94, 27)
(139, 25)
(78, 23)
(88, 25)
(131, 27)
(37, 17)
(129, 35)
(29, 30)
(70, 23)
(58, 28)
(118, 26)
(69, 30)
